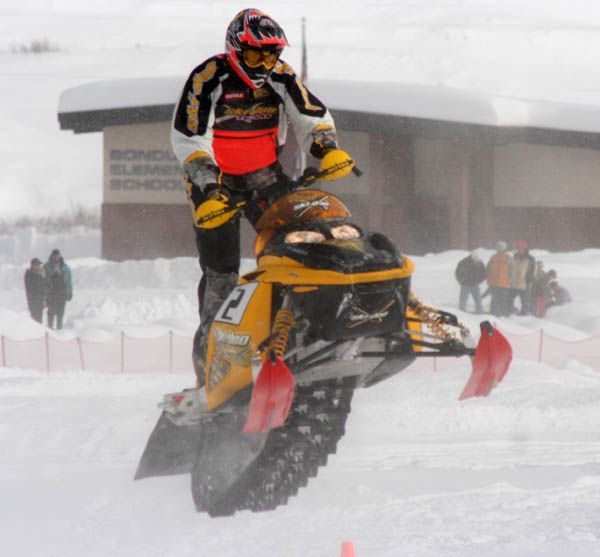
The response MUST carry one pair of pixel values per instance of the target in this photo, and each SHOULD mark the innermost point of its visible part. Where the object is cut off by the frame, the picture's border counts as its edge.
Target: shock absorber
(283, 324)
(431, 318)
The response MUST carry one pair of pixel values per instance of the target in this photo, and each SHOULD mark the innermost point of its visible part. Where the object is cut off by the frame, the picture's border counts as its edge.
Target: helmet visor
(254, 57)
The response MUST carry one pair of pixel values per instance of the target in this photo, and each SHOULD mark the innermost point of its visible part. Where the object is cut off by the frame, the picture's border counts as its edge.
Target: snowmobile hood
(275, 269)
(301, 206)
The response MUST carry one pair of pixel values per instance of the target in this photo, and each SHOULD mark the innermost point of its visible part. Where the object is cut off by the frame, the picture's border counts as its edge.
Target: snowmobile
(328, 309)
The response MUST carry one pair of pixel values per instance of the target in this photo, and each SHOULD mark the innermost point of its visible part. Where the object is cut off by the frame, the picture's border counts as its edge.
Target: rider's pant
(219, 254)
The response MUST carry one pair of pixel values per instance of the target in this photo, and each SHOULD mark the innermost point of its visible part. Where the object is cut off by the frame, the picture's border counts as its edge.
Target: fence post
(3, 352)
(170, 351)
(541, 345)
(122, 351)
(81, 360)
(47, 338)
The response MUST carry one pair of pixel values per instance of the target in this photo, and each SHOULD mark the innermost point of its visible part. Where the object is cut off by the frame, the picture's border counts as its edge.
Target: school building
(442, 168)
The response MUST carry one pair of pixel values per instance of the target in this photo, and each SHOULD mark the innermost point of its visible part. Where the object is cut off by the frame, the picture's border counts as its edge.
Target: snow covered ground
(418, 473)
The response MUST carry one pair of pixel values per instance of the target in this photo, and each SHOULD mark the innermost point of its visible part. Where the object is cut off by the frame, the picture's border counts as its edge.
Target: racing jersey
(241, 129)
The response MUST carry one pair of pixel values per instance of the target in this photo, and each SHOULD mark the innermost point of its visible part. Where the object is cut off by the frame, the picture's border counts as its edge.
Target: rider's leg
(219, 255)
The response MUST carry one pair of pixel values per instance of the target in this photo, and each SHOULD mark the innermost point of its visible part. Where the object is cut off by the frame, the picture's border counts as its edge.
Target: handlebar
(218, 212)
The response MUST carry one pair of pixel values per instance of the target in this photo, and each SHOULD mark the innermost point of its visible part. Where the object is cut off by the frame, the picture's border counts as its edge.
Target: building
(442, 168)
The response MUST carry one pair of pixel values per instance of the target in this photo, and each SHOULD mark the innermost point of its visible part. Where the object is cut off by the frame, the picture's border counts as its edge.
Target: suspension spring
(431, 318)
(284, 322)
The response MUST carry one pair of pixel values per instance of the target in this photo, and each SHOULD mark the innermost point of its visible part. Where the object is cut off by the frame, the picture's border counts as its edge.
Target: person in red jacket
(228, 130)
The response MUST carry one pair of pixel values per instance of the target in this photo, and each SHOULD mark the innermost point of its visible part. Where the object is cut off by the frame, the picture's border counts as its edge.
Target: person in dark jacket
(470, 273)
(541, 291)
(559, 295)
(34, 289)
(59, 288)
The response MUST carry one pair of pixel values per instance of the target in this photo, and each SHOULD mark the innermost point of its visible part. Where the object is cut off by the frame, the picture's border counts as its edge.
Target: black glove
(213, 191)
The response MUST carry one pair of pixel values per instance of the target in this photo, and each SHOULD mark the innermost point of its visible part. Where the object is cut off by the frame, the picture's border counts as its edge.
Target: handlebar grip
(357, 171)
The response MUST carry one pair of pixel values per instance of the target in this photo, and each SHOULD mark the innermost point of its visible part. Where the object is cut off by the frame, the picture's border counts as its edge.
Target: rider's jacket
(239, 128)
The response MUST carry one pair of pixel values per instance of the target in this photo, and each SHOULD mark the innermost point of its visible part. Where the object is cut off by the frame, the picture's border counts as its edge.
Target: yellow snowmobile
(328, 309)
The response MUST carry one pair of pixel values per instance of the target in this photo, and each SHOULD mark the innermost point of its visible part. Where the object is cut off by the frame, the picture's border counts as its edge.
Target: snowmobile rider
(228, 130)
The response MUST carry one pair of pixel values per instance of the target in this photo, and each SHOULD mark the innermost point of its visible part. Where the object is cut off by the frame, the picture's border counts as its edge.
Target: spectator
(522, 276)
(499, 270)
(540, 289)
(59, 288)
(34, 289)
(470, 273)
(558, 295)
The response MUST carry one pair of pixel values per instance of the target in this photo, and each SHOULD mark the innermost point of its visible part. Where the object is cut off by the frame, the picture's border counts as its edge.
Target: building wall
(548, 195)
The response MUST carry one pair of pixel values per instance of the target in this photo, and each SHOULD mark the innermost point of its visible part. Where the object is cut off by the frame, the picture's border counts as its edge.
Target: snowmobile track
(290, 456)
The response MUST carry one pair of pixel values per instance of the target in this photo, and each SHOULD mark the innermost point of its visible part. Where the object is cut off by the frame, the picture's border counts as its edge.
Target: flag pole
(304, 68)
(300, 159)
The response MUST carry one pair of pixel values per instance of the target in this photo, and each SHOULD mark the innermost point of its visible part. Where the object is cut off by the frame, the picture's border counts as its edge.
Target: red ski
(490, 362)
(271, 397)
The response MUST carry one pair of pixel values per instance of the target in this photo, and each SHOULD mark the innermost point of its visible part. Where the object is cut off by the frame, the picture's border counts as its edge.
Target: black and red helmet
(254, 32)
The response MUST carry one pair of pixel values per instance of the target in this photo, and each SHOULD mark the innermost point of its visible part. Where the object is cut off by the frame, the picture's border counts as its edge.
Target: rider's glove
(202, 171)
(335, 165)
(324, 140)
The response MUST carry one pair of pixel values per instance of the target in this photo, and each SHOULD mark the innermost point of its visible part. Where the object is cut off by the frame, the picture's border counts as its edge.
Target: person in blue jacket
(59, 288)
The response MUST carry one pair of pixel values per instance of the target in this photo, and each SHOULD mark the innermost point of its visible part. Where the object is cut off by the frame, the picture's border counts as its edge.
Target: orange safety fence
(171, 353)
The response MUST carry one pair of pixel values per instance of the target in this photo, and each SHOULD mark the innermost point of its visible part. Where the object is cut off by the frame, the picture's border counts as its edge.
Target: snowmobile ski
(490, 363)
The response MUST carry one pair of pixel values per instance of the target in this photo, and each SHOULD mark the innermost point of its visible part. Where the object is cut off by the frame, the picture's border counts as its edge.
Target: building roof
(379, 106)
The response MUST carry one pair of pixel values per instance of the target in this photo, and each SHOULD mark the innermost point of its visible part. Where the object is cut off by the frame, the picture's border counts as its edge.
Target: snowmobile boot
(199, 357)
(218, 287)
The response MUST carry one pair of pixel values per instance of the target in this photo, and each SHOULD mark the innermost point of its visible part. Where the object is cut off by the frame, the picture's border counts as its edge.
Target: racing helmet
(253, 43)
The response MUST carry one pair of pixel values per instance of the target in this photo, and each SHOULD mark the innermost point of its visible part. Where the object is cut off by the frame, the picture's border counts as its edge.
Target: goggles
(254, 57)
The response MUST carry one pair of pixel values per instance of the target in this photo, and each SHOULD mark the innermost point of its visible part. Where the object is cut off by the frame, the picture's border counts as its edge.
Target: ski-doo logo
(223, 336)
(248, 115)
(359, 316)
(302, 207)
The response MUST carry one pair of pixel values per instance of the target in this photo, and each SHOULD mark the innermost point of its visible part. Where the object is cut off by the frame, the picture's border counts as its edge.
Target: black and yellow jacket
(239, 128)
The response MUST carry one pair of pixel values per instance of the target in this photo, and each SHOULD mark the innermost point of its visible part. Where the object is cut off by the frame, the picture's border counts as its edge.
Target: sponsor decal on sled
(302, 207)
(219, 368)
(233, 308)
(233, 347)
(359, 316)
(225, 336)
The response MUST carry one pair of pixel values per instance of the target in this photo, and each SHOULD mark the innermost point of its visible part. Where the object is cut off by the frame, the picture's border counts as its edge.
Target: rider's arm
(309, 117)
(191, 132)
